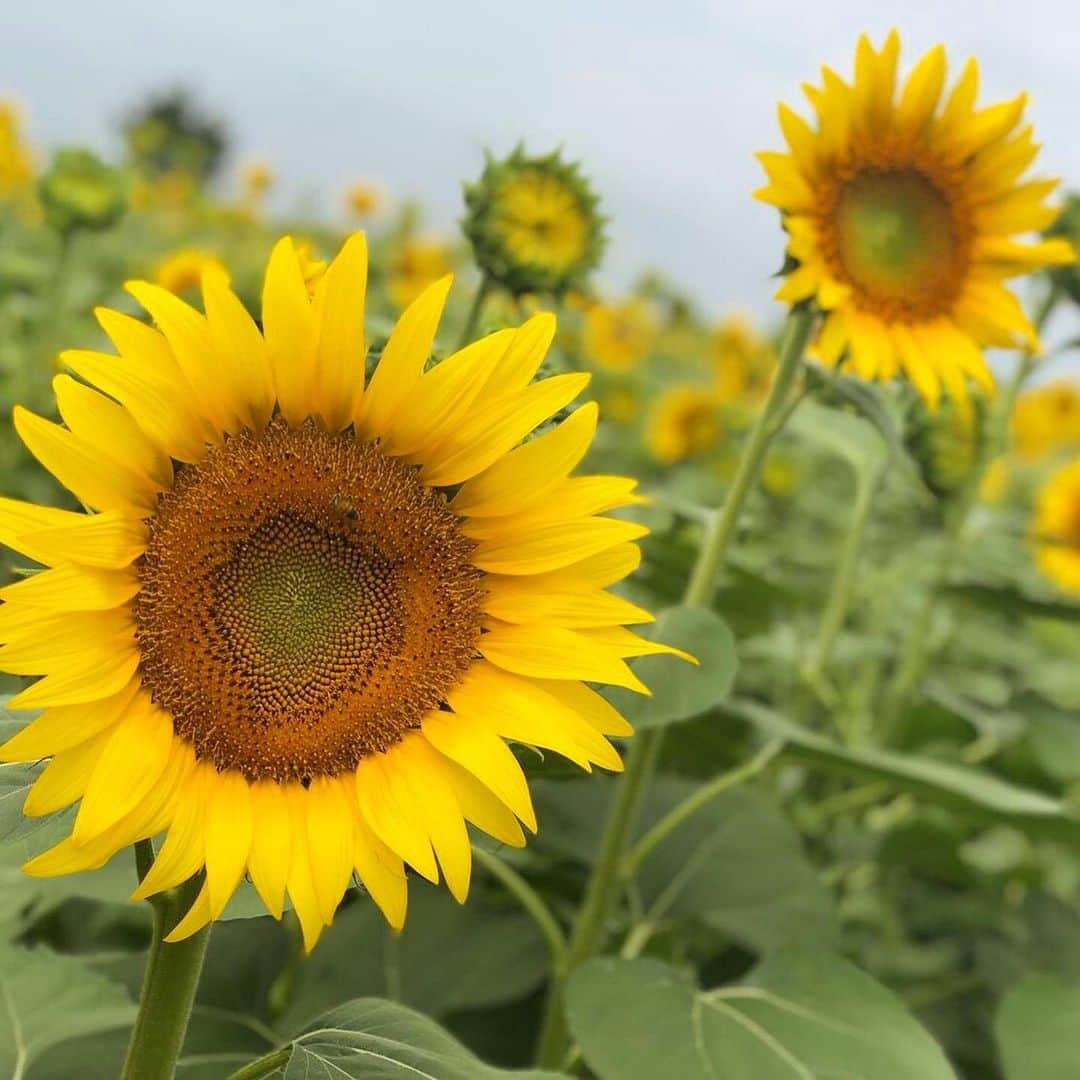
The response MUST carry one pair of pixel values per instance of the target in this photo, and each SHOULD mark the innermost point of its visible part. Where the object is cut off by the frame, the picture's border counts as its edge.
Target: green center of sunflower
(897, 242)
(304, 601)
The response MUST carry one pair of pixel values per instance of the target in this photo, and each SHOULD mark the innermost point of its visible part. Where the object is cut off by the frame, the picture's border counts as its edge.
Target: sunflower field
(421, 662)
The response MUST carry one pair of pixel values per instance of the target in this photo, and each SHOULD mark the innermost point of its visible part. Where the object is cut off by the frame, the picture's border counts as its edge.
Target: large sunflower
(304, 615)
(902, 210)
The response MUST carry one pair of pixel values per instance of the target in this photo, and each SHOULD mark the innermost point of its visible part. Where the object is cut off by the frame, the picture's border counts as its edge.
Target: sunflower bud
(947, 444)
(79, 191)
(533, 223)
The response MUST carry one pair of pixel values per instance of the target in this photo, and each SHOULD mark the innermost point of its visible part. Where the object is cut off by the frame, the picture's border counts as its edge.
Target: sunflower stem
(605, 881)
(169, 983)
(838, 602)
(721, 530)
(483, 290)
(913, 653)
(263, 1066)
(530, 900)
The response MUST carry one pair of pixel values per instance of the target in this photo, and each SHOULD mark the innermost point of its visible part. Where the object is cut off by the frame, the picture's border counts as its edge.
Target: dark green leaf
(1036, 1030)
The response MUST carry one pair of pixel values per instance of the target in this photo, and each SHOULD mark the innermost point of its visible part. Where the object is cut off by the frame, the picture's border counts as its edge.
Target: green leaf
(1055, 737)
(49, 998)
(374, 1039)
(841, 433)
(448, 957)
(737, 864)
(804, 1014)
(1006, 599)
(957, 786)
(681, 690)
(1035, 1030)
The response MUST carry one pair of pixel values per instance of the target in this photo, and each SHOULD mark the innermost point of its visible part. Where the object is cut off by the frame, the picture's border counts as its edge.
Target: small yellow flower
(362, 200)
(684, 424)
(1047, 418)
(1057, 528)
(905, 207)
(183, 270)
(256, 179)
(414, 264)
(618, 336)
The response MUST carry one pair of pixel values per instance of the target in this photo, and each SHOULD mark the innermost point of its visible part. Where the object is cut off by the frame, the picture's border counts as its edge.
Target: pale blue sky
(665, 102)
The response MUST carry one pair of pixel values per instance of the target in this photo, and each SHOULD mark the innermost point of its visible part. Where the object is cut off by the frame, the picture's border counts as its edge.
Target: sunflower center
(305, 600)
(897, 242)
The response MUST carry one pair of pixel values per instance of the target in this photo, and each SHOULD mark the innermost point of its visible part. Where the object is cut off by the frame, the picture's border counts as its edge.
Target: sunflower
(362, 200)
(304, 614)
(183, 270)
(414, 264)
(16, 161)
(902, 210)
(533, 223)
(1046, 418)
(1057, 528)
(684, 424)
(743, 360)
(617, 337)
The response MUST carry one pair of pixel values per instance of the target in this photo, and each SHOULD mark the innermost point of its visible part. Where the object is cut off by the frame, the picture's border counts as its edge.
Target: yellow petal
(110, 540)
(479, 805)
(76, 685)
(554, 546)
(486, 757)
(301, 884)
(330, 842)
(65, 778)
(74, 588)
(271, 844)
(340, 349)
(526, 474)
(132, 762)
(229, 825)
(112, 431)
(523, 356)
(381, 872)
(80, 468)
(559, 599)
(921, 93)
(402, 361)
(195, 918)
(597, 710)
(419, 767)
(289, 329)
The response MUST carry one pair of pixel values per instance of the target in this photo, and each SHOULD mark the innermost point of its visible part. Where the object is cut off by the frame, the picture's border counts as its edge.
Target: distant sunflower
(305, 614)
(1057, 528)
(415, 263)
(534, 223)
(1047, 418)
(684, 423)
(618, 337)
(902, 212)
(183, 270)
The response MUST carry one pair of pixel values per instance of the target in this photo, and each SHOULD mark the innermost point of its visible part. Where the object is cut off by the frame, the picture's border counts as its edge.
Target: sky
(665, 103)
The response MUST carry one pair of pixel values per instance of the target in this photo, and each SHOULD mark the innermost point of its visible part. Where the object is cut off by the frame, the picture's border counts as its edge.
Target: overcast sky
(664, 102)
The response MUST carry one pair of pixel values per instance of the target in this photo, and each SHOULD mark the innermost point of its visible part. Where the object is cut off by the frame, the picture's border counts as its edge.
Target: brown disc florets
(304, 601)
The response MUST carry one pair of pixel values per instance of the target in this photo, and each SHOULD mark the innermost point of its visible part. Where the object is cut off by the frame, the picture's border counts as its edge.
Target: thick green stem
(169, 983)
(913, 652)
(605, 881)
(721, 531)
(473, 318)
(843, 583)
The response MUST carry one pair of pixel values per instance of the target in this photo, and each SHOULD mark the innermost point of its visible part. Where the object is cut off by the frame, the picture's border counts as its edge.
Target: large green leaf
(1036, 1030)
(680, 690)
(48, 999)
(957, 786)
(449, 957)
(372, 1039)
(804, 1014)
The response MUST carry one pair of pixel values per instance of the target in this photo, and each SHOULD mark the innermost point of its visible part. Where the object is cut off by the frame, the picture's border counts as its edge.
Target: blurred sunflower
(183, 270)
(256, 179)
(617, 337)
(533, 223)
(684, 423)
(1057, 528)
(902, 211)
(414, 264)
(305, 613)
(16, 161)
(742, 360)
(362, 200)
(1046, 418)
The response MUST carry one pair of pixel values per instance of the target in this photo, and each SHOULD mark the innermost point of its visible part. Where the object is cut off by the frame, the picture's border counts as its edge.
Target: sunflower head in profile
(534, 223)
(903, 207)
(305, 613)
(1056, 528)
